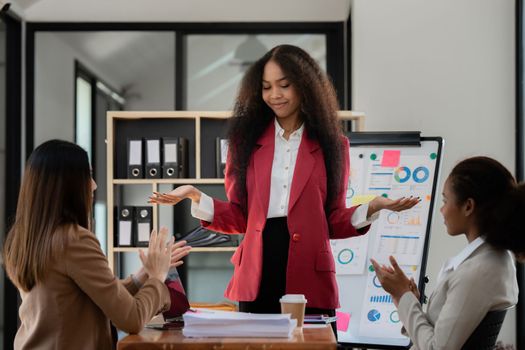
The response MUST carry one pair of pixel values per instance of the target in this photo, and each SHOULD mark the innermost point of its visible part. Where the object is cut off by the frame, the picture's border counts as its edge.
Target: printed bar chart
(381, 299)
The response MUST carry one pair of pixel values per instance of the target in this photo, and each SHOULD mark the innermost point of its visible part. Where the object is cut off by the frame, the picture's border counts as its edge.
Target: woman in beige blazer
(69, 294)
(482, 201)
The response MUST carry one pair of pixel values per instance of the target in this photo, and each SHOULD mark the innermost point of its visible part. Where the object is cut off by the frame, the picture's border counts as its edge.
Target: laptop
(179, 300)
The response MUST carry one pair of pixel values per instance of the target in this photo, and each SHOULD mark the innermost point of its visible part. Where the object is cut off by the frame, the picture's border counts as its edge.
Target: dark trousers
(276, 241)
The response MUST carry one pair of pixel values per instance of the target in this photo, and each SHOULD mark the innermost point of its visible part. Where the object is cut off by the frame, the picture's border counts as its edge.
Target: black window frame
(520, 154)
(335, 49)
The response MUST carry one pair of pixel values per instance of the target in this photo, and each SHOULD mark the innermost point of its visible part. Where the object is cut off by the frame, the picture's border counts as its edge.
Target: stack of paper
(207, 323)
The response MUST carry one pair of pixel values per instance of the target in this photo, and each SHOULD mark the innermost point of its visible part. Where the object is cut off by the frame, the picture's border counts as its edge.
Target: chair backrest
(485, 335)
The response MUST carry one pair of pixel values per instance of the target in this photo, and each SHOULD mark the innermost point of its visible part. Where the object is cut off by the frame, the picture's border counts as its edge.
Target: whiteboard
(367, 316)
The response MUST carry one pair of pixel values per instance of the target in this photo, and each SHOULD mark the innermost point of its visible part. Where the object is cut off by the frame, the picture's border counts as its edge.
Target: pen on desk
(201, 311)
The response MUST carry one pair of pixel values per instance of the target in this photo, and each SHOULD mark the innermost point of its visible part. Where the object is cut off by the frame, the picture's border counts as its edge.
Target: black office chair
(485, 335)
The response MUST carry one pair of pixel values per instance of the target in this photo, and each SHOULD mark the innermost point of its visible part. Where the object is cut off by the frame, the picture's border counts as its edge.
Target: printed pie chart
(373, 315)
(402, 174)
(375, 282)
(394, 317)
(392, 218)
(421, 174)
(345, 256)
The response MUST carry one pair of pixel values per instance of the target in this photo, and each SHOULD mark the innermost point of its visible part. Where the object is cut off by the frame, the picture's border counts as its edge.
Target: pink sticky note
(343, 319)
(390, 158)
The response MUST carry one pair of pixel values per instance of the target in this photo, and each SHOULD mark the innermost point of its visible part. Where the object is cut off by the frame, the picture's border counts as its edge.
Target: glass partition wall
(216, 63)
(153, 67)
(91, 73)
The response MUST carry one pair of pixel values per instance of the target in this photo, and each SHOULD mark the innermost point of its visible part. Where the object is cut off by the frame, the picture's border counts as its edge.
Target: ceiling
(181, 10)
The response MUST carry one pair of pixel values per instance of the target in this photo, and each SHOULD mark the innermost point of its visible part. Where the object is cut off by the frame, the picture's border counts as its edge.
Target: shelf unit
(195, 121)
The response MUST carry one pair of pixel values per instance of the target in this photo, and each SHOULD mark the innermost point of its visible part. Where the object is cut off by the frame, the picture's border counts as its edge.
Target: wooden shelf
(200, 123)
(171, 114)
(168, 181)
(193, 249)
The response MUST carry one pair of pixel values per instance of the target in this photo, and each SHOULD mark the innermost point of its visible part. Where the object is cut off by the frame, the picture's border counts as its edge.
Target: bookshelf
(200, 127)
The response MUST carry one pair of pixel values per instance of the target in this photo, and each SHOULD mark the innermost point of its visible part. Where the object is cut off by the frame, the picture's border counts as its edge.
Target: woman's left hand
(399, 204)
(392, 279)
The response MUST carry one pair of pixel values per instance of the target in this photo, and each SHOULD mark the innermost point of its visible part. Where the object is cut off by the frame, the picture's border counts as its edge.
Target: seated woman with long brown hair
(69, 294)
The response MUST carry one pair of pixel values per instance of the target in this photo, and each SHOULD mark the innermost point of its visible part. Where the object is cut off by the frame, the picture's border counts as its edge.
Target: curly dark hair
(499, 201)
(318, 112)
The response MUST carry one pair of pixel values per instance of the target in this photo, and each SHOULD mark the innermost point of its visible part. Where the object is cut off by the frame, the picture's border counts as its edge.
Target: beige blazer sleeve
(459, 303)
(86, 264)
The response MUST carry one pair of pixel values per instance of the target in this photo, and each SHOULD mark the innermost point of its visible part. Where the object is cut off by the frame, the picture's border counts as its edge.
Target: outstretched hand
(175, 196)
(393, 279)
(399, 204)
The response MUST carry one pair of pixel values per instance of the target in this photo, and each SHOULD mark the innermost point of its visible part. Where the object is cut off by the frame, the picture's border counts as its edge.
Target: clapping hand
(413, 288)
(178, 251)
(393, 279)
(157, 261)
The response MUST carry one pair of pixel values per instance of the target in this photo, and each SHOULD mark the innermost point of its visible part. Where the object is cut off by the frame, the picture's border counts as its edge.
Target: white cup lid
(293, 298)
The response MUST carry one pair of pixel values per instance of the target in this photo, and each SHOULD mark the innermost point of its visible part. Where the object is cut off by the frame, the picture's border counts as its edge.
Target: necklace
(296, 127)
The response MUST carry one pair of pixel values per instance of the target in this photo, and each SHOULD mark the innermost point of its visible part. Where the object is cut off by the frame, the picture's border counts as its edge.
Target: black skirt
(276, 240)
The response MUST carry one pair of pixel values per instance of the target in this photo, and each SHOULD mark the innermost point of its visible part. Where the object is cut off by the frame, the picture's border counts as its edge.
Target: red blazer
(311, 266)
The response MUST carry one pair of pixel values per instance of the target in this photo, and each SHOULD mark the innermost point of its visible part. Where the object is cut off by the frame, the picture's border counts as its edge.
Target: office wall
(2, 158)
(446, 68)
(55, 87)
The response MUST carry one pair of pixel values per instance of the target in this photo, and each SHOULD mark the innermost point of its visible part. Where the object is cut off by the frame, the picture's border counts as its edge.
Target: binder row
(134, 225)
(155, 158)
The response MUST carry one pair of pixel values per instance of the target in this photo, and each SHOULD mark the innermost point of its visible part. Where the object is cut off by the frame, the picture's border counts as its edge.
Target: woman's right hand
(178, 251)
(175, 196)
(157, 261)
(392, 279)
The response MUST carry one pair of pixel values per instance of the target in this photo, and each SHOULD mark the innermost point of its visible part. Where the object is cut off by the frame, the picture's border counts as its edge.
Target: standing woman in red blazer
(286, 180)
